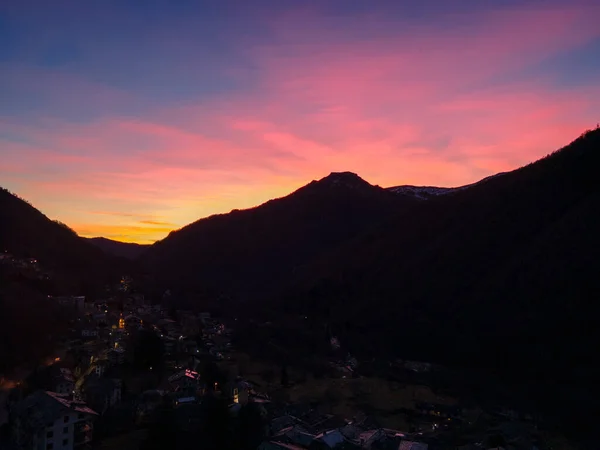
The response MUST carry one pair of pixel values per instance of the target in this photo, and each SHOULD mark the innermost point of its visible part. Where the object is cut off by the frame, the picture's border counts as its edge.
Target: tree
(162, 434)
(148, 351)
(251, 426)
(211, 374)
(215, 431)
(285, 380)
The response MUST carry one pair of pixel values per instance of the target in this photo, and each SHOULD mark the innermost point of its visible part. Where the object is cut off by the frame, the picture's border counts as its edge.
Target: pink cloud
(416, 106)
(417, 60)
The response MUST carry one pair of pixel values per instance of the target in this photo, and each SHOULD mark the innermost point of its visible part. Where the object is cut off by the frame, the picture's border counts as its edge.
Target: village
(127, 365)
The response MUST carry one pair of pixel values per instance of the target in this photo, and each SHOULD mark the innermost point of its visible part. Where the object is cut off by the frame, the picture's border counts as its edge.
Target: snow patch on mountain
(429, 192)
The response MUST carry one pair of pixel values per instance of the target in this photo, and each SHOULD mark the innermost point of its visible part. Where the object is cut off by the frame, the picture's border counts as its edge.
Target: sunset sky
(128, 119)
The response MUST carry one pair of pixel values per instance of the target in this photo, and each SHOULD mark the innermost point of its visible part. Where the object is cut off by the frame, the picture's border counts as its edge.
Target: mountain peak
(343, 179)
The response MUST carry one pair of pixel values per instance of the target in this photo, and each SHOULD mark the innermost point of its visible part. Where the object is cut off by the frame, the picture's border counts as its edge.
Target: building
(116, 356)
(77, 302)
(49, 421)
(89, 333)
(101, 366)
(184, 380)
(102, 393)
(412, 445)
(63, 381)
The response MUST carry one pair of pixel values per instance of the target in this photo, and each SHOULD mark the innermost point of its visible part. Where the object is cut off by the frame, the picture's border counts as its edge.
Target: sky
(128, 119)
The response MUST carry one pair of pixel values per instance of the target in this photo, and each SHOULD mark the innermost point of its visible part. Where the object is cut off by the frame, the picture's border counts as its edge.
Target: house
(50, 421)
(438, 410)
(190, 345)
(412, 445)
(417, 366)
(62, 380)
(170, 344)
(116, 356)
(368, 438)
(181, 399)
(237, 391)
(215, 353)
(295, 435)
(189, 324)
(185, 379)
(148, 403)
(102, 393)
(280, 423)
(101, 366)
(204, 317)
(77, 302)
(89, 333)
(330, 439)
(273, 445)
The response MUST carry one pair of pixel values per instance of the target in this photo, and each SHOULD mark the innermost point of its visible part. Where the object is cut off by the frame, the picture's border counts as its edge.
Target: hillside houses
(314, 432)
(52, 421)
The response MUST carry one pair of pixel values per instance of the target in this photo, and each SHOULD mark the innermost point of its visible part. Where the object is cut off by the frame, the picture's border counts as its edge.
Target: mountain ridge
(26, 232)
(128, 250)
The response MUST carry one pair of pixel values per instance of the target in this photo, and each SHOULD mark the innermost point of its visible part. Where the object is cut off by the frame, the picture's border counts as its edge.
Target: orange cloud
(155, 222)
(123, 233)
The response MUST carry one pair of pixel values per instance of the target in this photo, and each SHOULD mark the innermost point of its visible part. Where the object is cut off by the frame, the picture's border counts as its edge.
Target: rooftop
(44, 407)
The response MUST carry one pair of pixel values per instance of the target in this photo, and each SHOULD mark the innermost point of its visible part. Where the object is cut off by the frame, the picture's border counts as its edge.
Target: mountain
(342, 242)
(127, 250)
(76, 265)
(251, 253)
(500, 277)
(506, 267)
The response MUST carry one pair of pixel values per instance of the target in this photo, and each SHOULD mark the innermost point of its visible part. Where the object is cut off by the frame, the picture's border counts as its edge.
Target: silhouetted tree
(215, 431)
(285, 380)
(251, 425)
(163, 433)
(148, 351)
(211, 374)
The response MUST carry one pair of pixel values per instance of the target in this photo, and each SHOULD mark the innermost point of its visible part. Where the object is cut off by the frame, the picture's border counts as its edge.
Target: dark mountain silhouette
(501, 276)
(127, 250)
(254, 252)
(76, 265)
(341, 234)
(508, 260)
(518, 240)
